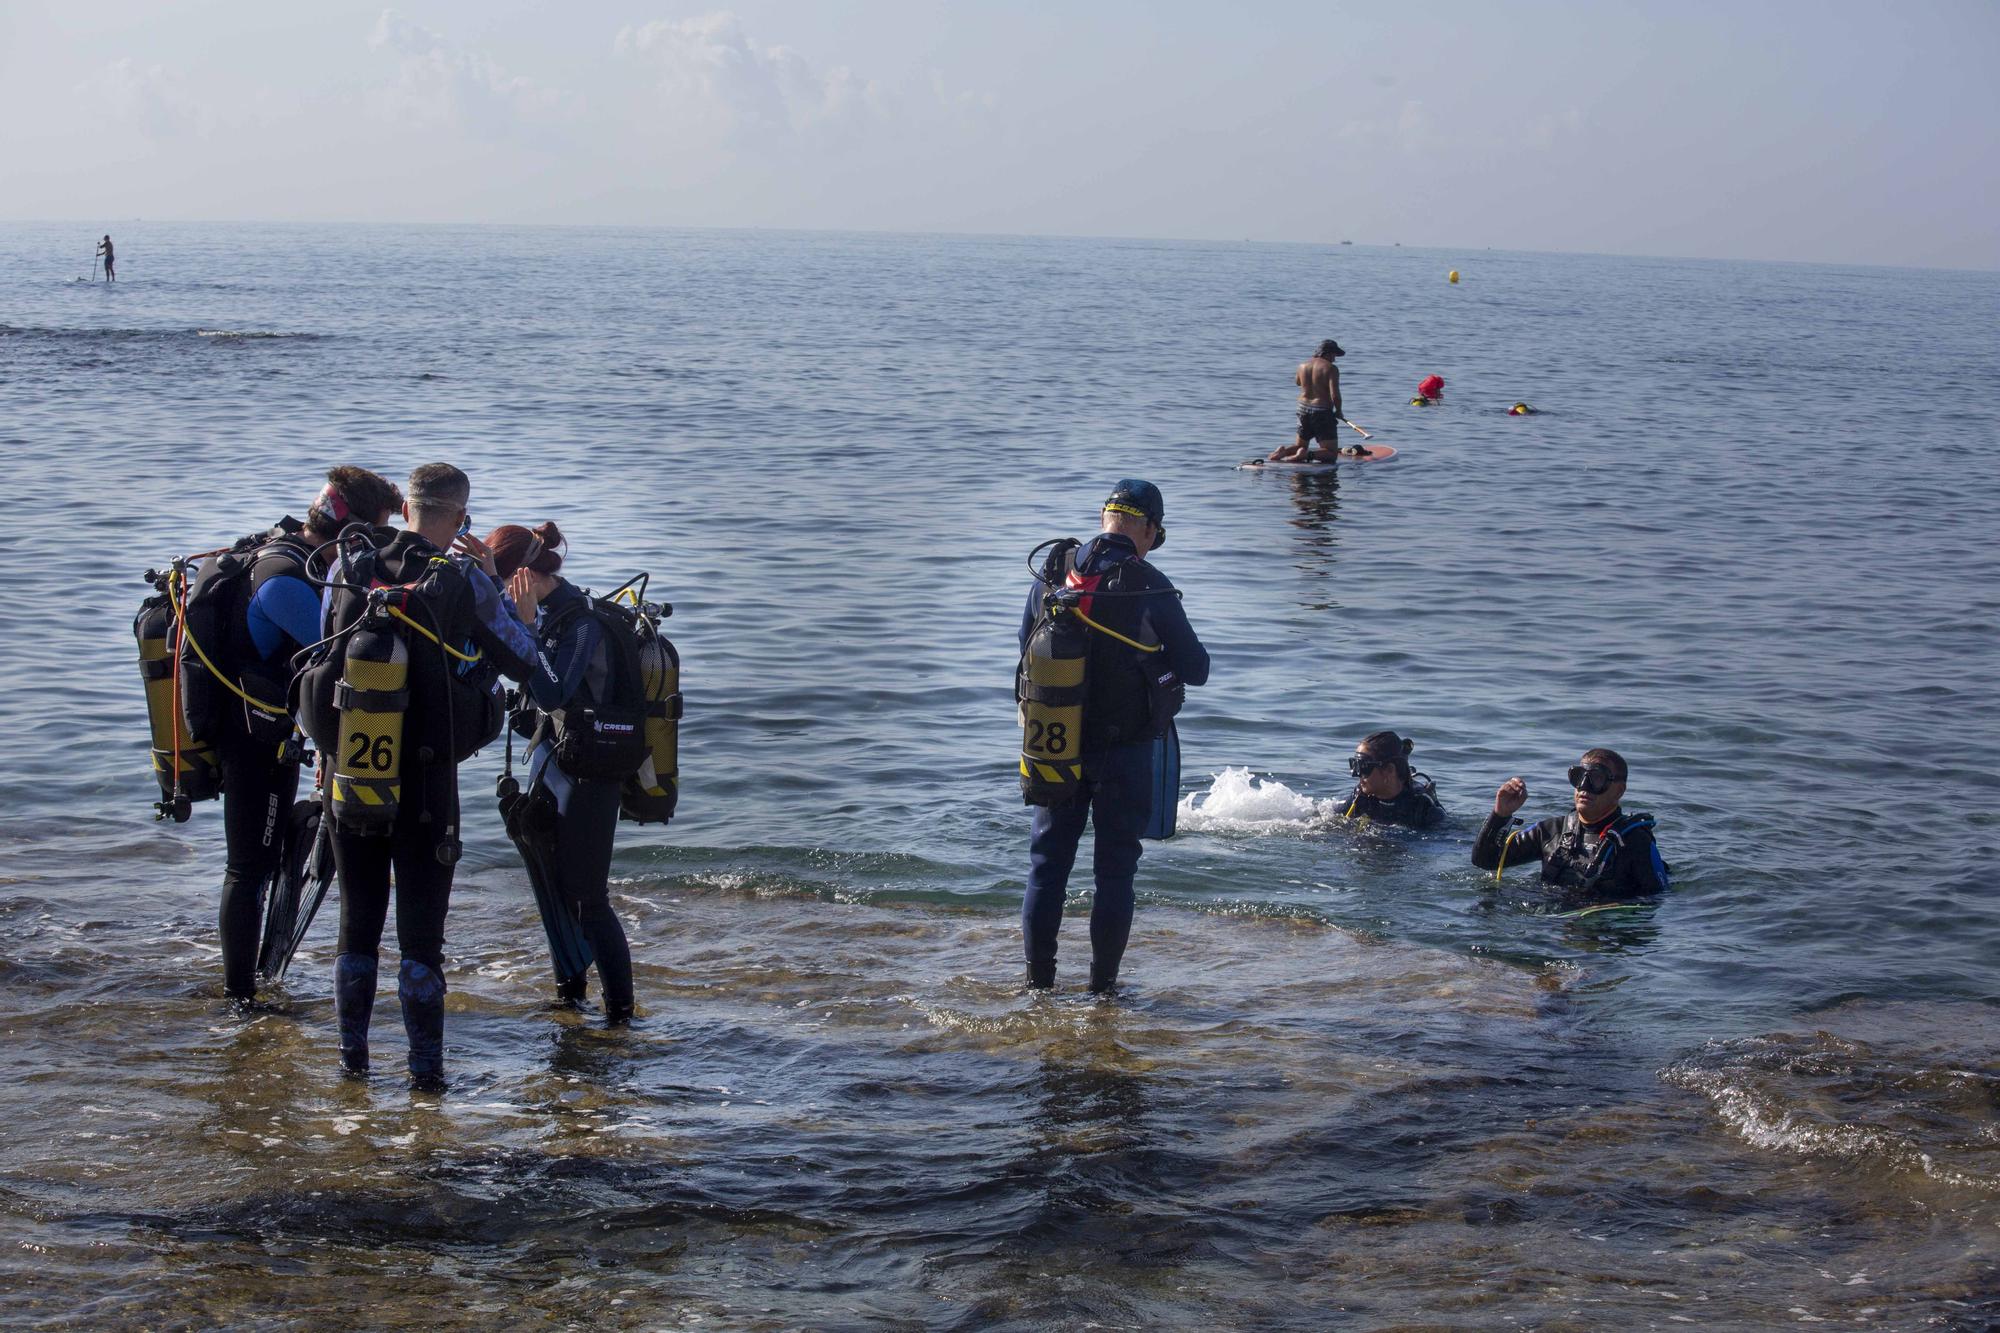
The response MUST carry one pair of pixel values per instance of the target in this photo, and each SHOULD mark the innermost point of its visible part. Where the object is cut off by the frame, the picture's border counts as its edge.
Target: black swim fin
(298, 886)
(530, 820)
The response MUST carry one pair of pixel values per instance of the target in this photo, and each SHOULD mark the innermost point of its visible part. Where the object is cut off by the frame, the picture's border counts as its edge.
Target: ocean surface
(1749, 541)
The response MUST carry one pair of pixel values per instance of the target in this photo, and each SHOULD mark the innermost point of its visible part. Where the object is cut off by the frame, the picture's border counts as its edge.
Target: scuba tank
(1050, 688)
(650, 794)
(371, 697)
(186, 769)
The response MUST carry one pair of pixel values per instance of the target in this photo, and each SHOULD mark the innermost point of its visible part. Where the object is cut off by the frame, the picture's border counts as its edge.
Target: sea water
(1748, 541)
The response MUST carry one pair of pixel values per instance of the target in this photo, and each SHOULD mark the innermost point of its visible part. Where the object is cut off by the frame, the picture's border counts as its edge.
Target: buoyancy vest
(216, 647)
(1119, 703)
(1416, 806)
(454, 702)
(600, 733)
(1575, 856)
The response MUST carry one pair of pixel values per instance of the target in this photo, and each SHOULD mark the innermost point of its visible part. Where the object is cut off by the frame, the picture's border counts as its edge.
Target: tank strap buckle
(345, 696)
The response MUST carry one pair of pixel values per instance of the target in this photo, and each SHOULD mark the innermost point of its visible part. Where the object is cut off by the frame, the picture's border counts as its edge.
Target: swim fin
(1166, 785)
(298, 886)
(530, 820)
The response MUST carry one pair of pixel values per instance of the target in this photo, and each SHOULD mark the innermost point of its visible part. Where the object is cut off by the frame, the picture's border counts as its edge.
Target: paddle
(1358, 431)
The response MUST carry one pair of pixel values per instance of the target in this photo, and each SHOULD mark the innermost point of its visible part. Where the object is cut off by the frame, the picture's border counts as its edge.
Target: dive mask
(1592, 778)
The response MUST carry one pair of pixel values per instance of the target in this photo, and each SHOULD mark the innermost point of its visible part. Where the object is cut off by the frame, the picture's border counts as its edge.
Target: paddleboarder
(1320, 412)
(110, 259)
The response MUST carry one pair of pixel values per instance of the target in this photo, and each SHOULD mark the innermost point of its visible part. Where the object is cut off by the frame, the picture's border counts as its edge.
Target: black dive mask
(1592, 778)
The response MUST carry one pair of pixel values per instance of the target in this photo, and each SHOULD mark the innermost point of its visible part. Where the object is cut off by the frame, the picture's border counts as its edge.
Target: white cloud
(152, 97)
(436, 83)
(712, 73)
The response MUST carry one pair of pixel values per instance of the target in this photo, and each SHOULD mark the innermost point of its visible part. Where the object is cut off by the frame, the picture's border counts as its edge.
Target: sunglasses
(1361, 765)
(465, 524)
(1592, 778)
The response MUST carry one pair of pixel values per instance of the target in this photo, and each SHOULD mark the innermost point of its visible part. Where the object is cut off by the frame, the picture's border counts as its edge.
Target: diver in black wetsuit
(1598, 850)
(277, 616)
(1386, 788)
(565, 823)
(465, 630)
(1115, 797)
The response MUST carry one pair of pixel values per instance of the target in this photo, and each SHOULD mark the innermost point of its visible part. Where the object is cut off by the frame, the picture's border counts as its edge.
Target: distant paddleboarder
(110, 258)
(1319, 409)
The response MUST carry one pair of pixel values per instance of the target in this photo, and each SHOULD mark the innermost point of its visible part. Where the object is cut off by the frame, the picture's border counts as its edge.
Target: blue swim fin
(1166, 786)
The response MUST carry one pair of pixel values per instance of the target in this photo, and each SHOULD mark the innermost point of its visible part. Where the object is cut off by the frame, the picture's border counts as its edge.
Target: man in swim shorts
(1319, 409)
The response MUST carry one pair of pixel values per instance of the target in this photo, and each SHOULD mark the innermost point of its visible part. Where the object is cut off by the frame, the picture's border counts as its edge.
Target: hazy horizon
(1835, 134)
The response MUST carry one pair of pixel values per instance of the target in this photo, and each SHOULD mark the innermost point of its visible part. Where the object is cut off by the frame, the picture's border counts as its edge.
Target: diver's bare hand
(521, 587)
(1513, 794)
(470, 545)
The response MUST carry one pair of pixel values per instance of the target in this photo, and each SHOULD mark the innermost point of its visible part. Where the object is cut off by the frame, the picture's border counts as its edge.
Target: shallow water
(1748, 542)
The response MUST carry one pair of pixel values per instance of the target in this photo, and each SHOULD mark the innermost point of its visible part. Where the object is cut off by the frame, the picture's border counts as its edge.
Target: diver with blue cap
(1106, 654)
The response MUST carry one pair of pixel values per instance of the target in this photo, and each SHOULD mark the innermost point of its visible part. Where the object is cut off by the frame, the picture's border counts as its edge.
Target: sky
(1759, 129)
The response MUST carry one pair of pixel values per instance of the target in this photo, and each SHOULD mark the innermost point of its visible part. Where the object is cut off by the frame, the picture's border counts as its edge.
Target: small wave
(123, 335)
(1898, 1107)
(1238, 802)
(247, 335)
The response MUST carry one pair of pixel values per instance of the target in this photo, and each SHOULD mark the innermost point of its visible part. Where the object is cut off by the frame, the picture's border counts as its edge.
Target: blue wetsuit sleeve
(572, 664)
(1183, 648)
(1032, 609)
(283, 608)
(1648, 868)
(501, 633)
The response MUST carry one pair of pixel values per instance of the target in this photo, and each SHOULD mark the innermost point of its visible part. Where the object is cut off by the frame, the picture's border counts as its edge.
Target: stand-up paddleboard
(1373, 453)
(1166, 785)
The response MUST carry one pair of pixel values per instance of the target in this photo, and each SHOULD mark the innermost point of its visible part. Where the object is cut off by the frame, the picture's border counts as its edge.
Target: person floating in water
(1386, 788)
(110, 259)
(1320, 412)
(1597, 850)
(1430, 392)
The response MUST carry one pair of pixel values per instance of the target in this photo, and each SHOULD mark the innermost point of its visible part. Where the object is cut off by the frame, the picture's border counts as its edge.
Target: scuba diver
(1106, 654)
(1386, 788)
(1520, 410)
(1597, 849)
(238, 618)
(1430, 393)
(565, 822)
(403, 688)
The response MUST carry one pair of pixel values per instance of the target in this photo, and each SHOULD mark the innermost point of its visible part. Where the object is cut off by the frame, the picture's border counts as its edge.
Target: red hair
(538, 548)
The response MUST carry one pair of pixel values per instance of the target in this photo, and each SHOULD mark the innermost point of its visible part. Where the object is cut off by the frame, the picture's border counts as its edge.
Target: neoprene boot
(421, 989)
(1102, 982)
(354, 1005)
(573, 990)
(1042, 976)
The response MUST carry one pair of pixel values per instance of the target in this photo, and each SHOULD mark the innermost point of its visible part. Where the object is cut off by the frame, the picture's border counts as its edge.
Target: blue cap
(1141, 499)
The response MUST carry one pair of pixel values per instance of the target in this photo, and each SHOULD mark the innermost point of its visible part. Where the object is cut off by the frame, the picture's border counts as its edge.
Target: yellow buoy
(1454, 275)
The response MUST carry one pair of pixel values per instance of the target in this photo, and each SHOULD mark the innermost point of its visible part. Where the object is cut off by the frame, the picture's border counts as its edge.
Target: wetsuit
(1116, 793)
(453, 598)
(1615, 858)
(579, 816)
(1416, 806)
(259, 780)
